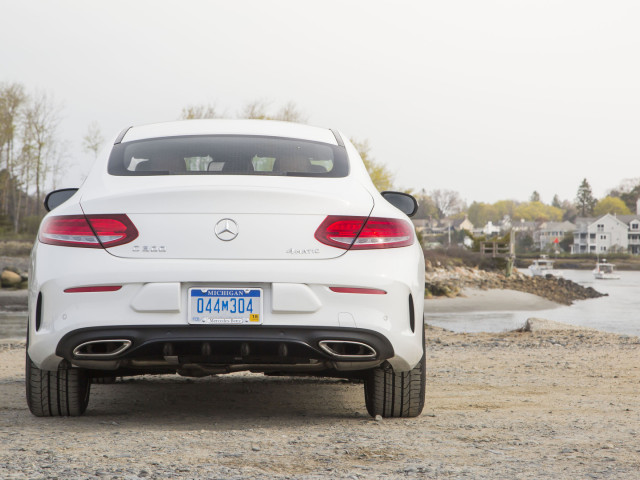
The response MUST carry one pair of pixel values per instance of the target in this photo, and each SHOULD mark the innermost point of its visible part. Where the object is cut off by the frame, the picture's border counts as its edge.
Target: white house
(491, 229)
(524, 226)
(600, 235)
(633, 234)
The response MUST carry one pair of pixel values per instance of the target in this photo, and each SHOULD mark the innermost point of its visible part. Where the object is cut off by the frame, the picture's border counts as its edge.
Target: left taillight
(90, 231)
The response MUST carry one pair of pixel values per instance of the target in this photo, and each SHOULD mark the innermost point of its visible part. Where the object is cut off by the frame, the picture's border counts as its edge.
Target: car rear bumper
(297, 298)
(113, 348)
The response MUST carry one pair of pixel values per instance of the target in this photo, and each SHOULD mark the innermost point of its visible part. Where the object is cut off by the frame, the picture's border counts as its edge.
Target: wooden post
(512, 254)
(501, 250)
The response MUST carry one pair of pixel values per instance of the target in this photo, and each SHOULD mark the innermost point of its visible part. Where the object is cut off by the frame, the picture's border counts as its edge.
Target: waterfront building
(601, 235)
(549, 233)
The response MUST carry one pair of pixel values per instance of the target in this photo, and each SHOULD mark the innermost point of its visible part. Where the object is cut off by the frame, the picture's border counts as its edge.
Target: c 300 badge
(149, 249)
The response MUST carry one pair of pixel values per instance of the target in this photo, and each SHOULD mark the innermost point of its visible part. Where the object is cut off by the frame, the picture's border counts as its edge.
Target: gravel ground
(528, 405)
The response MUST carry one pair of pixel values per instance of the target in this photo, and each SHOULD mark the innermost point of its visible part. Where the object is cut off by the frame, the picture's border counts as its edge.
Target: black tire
(63, 393)
(396, 395)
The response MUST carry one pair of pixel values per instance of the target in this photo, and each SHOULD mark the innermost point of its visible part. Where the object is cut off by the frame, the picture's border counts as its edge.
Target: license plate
(225, 306)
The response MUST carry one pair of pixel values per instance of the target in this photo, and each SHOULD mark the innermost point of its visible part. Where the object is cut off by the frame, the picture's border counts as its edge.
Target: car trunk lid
(250, 219)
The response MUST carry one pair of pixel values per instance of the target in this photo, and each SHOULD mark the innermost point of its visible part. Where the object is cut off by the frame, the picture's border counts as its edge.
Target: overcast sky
(493, 99)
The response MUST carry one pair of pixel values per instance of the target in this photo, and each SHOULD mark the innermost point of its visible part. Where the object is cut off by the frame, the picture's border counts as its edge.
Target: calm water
(618, 313)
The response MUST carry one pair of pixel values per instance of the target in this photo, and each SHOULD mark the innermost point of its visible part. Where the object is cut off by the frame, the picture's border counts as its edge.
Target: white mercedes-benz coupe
(204, 247)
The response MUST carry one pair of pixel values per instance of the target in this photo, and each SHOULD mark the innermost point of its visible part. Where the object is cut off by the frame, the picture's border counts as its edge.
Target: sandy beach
(476, 300)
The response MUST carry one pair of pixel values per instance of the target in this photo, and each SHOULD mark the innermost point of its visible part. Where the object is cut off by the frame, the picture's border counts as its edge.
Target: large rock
(10, 279)
(543, 325)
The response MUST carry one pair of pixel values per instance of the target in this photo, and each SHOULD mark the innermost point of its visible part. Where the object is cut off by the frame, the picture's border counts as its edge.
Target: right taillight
(90, 231)
(361, 233)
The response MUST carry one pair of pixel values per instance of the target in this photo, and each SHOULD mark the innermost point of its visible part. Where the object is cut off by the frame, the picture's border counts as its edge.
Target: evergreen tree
(535, 197)
(585, 201)
(556, 201)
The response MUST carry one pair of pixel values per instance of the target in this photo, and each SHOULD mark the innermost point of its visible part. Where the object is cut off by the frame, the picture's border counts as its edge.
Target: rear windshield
(228, 155)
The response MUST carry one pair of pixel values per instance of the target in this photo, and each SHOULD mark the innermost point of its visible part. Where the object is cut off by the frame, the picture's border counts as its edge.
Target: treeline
(31, 160)
(621, 200)
(30, 156)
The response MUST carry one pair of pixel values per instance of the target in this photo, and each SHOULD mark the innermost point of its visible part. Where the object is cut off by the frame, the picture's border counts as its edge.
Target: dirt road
(561, 405)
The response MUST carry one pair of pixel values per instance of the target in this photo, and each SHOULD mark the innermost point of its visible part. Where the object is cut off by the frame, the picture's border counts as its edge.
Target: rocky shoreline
(450, 281)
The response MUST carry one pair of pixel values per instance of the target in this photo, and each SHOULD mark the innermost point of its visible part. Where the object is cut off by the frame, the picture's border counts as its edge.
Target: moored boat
(605, 271)
(543, 266)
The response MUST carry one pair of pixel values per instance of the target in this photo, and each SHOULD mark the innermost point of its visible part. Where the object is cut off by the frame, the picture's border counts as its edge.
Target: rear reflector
(362, 233)
(368, 291)
(97, 288)
(90, 231)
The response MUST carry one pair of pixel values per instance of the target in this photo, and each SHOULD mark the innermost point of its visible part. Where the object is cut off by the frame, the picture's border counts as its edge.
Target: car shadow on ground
(227, 401)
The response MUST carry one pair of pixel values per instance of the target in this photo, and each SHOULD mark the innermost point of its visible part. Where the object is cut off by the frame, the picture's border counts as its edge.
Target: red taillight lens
(360, 233)
(365, 291)
(339, 231)
(97, 288)
(113, 230)
(73, 230)
(91, 231)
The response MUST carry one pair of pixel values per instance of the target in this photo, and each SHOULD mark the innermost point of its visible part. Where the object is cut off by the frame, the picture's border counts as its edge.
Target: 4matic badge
(302, 251)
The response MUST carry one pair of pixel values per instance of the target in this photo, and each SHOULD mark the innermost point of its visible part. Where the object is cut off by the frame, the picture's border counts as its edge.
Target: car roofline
(230, 127)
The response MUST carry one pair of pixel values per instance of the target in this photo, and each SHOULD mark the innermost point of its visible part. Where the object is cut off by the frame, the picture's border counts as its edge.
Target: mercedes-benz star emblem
(226, 229)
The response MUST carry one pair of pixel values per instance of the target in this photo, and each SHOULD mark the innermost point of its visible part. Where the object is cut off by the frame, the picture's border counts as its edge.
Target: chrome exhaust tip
(348, 349)
(101, 348)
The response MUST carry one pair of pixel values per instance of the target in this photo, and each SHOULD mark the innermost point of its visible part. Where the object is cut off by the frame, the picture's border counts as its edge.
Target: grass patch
(15, 248)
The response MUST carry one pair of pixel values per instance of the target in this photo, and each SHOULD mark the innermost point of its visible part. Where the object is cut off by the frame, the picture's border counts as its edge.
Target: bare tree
(191, 112)
(12, 99)
(626, 185)
(448, 202)
(22, 180)
(58, 164)
(93, 139)
(41, 118)
(256, 109)
(628, 191)
(259, 109)
(290, 113)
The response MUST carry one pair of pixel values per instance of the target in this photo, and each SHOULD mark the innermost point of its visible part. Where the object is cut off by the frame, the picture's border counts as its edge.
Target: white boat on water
(605, 271)
(543, 266)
